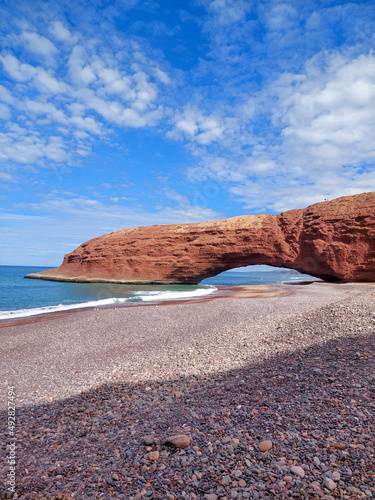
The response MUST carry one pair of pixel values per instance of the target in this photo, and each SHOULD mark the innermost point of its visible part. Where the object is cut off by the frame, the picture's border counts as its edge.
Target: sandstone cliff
(333, 240)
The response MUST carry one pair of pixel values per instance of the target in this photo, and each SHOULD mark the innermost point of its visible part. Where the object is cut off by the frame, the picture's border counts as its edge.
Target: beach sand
(293, 364)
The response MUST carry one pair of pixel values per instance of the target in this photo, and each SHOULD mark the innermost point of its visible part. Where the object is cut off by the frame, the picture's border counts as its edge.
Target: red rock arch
(332, 240)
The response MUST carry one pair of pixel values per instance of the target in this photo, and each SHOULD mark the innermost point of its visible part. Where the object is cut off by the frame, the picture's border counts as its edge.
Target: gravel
(99, 393)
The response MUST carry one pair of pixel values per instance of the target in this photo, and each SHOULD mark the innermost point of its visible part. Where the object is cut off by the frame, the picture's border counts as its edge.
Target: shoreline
(223, 291)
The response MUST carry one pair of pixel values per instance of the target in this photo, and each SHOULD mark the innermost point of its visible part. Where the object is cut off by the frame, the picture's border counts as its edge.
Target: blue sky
(137, 112)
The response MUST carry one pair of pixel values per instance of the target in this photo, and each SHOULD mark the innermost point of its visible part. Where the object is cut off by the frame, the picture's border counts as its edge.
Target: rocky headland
(332, 240)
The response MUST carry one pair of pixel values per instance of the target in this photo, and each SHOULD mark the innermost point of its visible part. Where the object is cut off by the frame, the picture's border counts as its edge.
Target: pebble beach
(273, 393)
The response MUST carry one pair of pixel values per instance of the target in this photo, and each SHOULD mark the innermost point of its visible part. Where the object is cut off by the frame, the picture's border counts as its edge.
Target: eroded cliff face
(333, 240)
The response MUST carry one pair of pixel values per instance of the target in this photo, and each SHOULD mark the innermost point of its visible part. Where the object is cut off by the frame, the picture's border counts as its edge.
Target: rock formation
(333, 240)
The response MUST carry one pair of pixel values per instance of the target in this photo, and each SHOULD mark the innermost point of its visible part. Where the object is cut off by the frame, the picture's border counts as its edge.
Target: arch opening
(258, 275)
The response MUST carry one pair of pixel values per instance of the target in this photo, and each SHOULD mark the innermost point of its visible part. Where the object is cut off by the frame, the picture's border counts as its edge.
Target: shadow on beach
(316, 405)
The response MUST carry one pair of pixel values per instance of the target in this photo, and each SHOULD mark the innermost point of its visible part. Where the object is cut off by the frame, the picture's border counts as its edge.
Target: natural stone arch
(332, 240)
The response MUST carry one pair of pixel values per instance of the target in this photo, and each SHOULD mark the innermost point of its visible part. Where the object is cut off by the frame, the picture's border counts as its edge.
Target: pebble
(178, 441)
(149, 440)
(317, 489)
(265, 446)
(296, 469)
(339, 445)
(328, 483)
(153, 455)
(353, 489)
(336, 476)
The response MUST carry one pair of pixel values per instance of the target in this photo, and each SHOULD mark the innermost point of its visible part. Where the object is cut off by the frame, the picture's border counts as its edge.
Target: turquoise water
(238, 278)
(21, 297)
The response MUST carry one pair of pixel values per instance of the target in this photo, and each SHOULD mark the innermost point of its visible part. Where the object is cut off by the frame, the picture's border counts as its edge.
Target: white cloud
(192, 124)
(5, 95)
(55, 149)
(46, 82)
(60, 32)
(92, 85)
(281, 16)
(162, 76)
(87, 123)
(113, 82)
(288, 193)
(80, 72)
(139, 114)
(5, 113)
(20, 146)
(146, 92)
(280, 139)
(5, 176)
(329, 114)
(38, 44)
(18, 71)
(46, 108)
(227, 169)
(185, 209)
(316, 140)
(9, 216)
(228, 11)
(79, 134)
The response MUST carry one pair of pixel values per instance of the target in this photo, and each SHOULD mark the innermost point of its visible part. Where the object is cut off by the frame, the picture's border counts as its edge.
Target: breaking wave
(135, 298)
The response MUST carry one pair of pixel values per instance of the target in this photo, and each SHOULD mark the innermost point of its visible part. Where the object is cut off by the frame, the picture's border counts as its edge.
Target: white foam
(170, 295)
(297, 279)
(113, 301)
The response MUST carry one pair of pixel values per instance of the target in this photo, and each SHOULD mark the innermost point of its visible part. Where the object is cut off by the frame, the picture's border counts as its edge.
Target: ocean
(21, 297)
